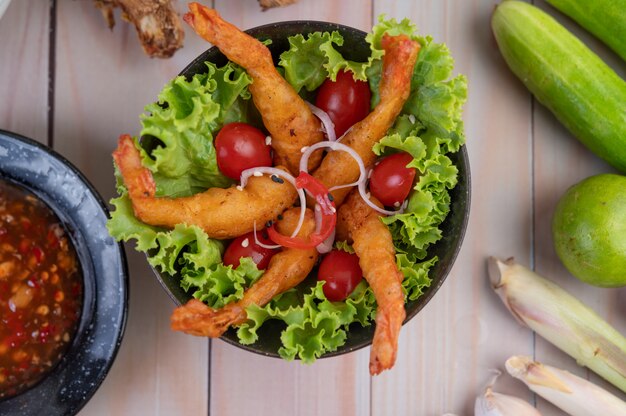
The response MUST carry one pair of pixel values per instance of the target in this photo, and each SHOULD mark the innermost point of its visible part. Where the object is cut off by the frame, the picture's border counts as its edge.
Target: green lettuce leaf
(416, 278)
(390, 27)
(429, 203)
(314, 325)
(219, 285)
(182, 124)
(311, 60)
(123, 225)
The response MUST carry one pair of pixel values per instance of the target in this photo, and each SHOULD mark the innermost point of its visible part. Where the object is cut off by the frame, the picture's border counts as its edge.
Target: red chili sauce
(41, 290)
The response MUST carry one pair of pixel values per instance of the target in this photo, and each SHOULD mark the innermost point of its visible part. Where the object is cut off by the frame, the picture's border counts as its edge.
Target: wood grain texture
(446, 351)
(103, 81)
(244, 383)
(560, 161)
(522, 160)
(24, 68)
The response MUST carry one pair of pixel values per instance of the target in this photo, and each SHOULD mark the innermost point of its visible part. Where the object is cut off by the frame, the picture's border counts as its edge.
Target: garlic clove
(491, 403)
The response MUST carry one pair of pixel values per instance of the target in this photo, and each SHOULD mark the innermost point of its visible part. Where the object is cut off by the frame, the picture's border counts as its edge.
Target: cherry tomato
(240, 146)
(245, 246)
(341, 272)
(346, 101)
(391, 180)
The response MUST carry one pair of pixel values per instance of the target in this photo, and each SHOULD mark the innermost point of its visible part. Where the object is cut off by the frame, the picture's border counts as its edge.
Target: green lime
(589, 230)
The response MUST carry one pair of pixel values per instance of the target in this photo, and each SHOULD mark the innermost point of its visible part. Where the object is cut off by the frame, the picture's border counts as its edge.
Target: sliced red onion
(366, 197)
(346, 132)
(304, 161)
(327, 124)
(326, 245)
(245, 175)
(260, 244)
(347, 185)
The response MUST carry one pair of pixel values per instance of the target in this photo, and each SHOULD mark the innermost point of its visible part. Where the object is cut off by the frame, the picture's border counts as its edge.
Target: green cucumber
(606, 19)
(584, 93)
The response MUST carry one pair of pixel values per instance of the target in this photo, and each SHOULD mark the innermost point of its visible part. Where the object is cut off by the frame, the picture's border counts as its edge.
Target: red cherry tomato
(346, 101)
(245, 246)
(391, 180)
(240, 146)
(341, 272)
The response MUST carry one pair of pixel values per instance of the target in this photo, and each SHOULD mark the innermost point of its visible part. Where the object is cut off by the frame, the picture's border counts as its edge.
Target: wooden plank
(247, 14)
(560, 162)
(103, 81)
(447, 350)
(244, 383)
(24, 69)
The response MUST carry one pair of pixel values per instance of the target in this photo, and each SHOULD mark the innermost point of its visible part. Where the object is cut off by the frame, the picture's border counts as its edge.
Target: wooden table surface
(67, 81)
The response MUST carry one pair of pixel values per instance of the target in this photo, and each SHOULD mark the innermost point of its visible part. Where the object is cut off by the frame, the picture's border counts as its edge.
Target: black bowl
(69, 385)
(355, 48)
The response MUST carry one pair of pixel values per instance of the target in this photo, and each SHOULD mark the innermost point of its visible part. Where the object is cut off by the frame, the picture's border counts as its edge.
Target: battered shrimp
(285, 115)
(221, 213)
(371, 240)
(285, 270)
(339, 168)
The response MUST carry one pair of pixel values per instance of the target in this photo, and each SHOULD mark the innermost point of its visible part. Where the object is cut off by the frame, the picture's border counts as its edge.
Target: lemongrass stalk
(491, 403)
(561, 319)
(572, 394)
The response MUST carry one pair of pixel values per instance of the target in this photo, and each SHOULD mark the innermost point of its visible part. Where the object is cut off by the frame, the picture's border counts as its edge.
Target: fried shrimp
(221, 213)
(339, 168)
(285, 270)
(286, 116)
(371, 240)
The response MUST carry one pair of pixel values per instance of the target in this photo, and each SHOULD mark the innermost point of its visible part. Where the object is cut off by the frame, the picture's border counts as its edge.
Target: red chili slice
(329, 215)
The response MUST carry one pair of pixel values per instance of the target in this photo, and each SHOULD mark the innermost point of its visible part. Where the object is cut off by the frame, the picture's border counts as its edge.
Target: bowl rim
(463, 157)
(88, 327)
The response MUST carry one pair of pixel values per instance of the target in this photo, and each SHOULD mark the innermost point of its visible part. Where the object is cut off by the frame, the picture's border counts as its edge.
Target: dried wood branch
(158, 25)
(268, 4)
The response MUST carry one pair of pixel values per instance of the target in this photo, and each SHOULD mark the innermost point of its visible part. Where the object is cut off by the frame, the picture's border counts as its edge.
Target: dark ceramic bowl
(69, 385)
(355, 48)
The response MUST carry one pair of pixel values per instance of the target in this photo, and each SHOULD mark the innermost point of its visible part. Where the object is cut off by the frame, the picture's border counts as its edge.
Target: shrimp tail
(196, 318)
(385, 343)
(137, 178)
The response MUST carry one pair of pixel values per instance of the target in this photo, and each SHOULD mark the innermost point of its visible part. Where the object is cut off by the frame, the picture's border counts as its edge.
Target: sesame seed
(412, 118)
(369, 174)
(268, 140)
(396, 204)
(245, 243)
(333, 209)
(303, 149)
(239, 188)
(368, 195)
